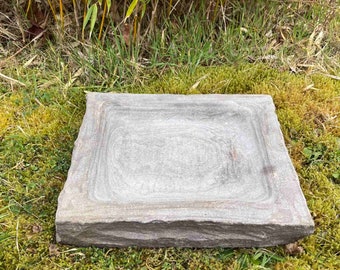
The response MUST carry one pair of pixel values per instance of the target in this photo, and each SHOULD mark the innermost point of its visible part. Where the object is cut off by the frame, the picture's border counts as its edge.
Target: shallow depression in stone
(178, 158)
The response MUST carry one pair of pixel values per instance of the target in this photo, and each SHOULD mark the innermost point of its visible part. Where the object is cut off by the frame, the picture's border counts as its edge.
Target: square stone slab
(186, 171)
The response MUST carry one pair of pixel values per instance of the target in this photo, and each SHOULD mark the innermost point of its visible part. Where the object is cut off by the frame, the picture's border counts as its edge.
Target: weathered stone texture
(172, 170)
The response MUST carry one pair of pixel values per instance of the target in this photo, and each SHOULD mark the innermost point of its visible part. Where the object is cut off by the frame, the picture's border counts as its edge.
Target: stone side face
(173, 170)
(180, 234)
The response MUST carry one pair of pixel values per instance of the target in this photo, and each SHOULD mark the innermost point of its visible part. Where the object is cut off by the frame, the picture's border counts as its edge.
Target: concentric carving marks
(180, 158)
(171, 155)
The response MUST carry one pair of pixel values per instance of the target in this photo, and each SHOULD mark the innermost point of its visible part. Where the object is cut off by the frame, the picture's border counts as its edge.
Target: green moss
(38, 126)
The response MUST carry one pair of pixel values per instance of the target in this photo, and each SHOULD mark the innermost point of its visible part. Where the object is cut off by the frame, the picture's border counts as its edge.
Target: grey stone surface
(173, 170)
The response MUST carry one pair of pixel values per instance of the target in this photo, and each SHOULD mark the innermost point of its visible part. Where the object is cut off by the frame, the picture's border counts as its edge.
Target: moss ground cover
(39, 123)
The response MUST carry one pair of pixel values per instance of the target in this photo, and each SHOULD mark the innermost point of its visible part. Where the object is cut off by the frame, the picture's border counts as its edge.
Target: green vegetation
(289, 50)
(300, 36)
(39, 124)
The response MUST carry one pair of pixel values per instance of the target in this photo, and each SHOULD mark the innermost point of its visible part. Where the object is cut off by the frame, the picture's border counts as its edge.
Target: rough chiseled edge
(290, 210)
(186, 233)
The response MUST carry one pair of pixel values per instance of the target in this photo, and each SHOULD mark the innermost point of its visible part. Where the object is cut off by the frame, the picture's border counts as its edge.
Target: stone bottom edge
(179, 234)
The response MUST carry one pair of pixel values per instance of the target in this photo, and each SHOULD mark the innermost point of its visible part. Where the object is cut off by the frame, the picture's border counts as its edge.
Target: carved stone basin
(172, 170)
